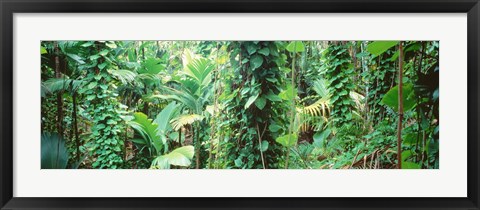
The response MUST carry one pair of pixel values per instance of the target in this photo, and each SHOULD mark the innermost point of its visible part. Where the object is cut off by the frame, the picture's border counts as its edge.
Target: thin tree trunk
(197, 146)
(260, 146)
(292, 115)
(75, 125)
(215, 106)
(400, 106)
(60, 93)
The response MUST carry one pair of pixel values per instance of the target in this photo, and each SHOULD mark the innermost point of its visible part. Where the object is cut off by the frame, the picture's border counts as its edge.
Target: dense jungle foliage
(240, 104)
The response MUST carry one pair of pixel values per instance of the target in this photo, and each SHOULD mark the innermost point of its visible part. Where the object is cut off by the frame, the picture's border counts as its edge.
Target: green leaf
(406, 154)
(111, 44)
(409, 139)
(200, 70)
(54, 153)
(251, 100)
(181, 156)
(94, 57)
(378, 47)
(139, 141)
(151, 66)
(164, 117)
(289, 93)
(410, 165)
(147, 129)
(256, 61)
(103, 52)
(251, 47)
(238, 162)
(296, 46)
(102, 66)
(87, 44)
(260, 102)
(264, 146)
(288, 140)
(274, 128)
(90, 97)
(391, 98)
(185, 119)
(264, 51)
(395, 56)
(272, 97)
(320, 137)
(92, 85)
(76, 58)
(43, 50)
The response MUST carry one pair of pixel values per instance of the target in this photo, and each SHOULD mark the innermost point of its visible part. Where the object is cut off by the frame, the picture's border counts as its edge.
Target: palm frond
(320, 108)
(186, 119)
(125, 76)
(200, 69)
(359, 100)
(55, 85)
(320, 86)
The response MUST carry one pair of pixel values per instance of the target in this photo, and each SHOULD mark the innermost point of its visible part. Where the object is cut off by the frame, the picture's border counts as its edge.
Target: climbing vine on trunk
(103, 108)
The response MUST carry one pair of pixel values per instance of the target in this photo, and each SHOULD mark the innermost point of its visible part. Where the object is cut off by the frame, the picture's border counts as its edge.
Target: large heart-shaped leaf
(378, 47)
(296, 46)
(391, 98)
(288, 140)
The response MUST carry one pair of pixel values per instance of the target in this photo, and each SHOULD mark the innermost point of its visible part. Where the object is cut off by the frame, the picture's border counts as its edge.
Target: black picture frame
(10, 7)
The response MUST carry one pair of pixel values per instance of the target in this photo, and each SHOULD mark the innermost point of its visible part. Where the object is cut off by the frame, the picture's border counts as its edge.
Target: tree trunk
(60, 93)
(197, 146)
(400, 106)
(75, 124)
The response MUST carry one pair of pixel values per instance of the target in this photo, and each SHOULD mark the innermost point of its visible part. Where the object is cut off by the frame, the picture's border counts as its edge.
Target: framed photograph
(239, 105)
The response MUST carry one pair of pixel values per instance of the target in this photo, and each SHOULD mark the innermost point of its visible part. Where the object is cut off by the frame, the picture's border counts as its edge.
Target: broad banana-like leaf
(391, 98)
(54, 153)
(147, 130)
(163, 119)
(378, 47)
(181, 156)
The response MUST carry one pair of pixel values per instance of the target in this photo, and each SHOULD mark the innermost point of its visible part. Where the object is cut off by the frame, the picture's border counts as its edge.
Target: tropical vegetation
(240, 104)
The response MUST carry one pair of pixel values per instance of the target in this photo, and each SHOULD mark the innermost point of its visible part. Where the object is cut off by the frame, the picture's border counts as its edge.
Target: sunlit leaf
(251, 100)
(288, 140)
(391, 98)
(296, 46)
(378, 47)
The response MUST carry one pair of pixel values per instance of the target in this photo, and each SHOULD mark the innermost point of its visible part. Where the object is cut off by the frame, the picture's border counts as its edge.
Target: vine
(339, 73)
(102, 105)
(254, 94)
